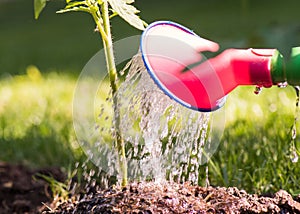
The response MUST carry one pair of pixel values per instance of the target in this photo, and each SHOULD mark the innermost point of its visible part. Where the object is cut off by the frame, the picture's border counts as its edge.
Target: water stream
(293, 150)
(163, 138)
(293, 153)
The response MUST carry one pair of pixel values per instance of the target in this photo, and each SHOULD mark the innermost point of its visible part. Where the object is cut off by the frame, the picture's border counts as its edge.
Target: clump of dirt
(149, 197)
(22, 191)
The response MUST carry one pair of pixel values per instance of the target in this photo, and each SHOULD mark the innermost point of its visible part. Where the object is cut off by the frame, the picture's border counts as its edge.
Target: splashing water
(163, 138)
(293, 153)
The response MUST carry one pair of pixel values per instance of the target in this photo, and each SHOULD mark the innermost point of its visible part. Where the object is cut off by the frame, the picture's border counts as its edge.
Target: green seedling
(102, 11)
(58, 189)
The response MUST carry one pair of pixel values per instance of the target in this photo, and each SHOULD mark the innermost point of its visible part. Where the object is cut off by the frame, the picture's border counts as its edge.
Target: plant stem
(112, 71)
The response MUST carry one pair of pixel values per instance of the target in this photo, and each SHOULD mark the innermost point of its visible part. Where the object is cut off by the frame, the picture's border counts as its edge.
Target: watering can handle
(293, 67)
(289, 71)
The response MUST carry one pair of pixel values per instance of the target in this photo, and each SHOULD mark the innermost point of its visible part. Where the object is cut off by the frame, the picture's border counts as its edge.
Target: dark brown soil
(22, 191)
(149, 198)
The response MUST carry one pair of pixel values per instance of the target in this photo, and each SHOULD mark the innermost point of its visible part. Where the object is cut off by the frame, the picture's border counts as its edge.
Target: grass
(36, 119)
(36, 129)
(36, 107)
(255, 150)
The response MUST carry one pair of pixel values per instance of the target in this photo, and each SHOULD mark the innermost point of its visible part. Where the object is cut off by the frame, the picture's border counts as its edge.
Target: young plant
(102, 11)
(59, 189)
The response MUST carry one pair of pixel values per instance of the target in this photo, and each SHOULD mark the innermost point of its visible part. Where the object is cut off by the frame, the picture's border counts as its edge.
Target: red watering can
(174, 58)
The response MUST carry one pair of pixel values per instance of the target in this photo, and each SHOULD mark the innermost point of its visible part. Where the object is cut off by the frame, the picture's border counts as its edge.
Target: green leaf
(127, 12)
(75, 4)
(38, 7)
(82, 9)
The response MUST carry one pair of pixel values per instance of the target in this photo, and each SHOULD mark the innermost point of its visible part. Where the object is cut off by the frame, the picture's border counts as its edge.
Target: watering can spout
(173, 56)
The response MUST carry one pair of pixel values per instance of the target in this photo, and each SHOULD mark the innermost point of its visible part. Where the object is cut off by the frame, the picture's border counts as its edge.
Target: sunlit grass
(36, 128)
(36, 119)
(255, 150)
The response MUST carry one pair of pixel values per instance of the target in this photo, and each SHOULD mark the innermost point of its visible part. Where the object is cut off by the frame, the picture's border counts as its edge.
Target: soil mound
(150, 197)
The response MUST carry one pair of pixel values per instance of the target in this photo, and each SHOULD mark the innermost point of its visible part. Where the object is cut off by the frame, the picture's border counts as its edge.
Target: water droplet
(282, 85)
(207, 183)
(294, 157)
(294, 133)
(257, 89)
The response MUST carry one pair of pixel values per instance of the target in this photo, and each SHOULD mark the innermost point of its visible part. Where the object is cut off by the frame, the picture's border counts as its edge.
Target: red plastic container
(173, 57)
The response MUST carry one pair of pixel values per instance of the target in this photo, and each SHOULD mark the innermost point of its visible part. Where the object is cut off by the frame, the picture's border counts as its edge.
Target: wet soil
(22, 191)
(150, 197)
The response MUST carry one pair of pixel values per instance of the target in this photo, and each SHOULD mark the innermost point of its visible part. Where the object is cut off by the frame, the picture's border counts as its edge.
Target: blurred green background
(65, 42)
(40, 61)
